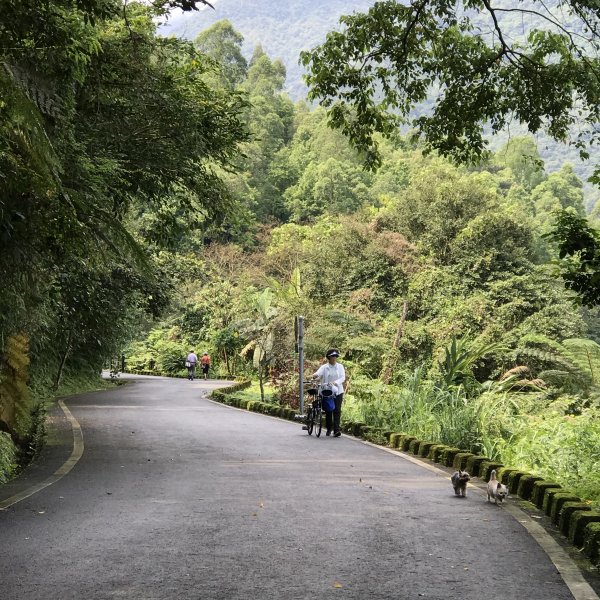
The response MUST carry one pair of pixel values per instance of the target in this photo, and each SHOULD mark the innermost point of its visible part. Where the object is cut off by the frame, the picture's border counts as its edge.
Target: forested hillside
(284, 29)
(434, 281)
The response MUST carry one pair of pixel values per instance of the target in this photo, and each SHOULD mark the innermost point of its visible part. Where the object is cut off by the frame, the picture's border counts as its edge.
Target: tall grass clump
(556, 446)
(420, 407)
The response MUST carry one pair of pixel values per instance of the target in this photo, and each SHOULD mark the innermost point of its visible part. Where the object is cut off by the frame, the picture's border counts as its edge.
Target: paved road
(176, 497)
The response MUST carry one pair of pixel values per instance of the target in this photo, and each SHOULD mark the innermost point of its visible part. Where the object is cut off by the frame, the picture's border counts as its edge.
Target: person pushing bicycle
(332, 375)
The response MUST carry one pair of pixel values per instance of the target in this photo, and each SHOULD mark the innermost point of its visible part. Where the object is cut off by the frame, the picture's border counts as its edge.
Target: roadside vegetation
(181, 200)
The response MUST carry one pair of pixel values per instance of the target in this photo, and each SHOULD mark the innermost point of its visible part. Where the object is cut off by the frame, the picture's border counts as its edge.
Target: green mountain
(284, 29)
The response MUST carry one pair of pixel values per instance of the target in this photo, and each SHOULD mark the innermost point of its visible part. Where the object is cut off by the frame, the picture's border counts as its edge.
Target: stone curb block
(558, 500)
(460, 461)
(578, 525)
(357, 429)
(413, 446)
(591, 542)
(474, 464)
(513, 480)
(395, 439)
(405, 441)
(549, 498)
(539, 489)
(567, 512)
(448, 454)
(436, 452)
(225, 396)
(424, 448)
(377, 436)
(486, 468)
(365, 430)
(504, 473)
(525, 487)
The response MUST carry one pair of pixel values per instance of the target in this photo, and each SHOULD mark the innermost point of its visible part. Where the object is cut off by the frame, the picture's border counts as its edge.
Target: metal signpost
(301, 361)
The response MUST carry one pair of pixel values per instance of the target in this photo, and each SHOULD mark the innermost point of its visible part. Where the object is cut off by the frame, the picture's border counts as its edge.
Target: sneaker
(337, 434)
(328, 432)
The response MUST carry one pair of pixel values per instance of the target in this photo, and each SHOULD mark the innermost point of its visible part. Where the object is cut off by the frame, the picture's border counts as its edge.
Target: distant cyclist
(205, 362)
(332, 375)
(190, 362)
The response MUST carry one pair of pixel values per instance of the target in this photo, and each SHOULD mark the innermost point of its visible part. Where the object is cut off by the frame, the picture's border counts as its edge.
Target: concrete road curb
(78, 447)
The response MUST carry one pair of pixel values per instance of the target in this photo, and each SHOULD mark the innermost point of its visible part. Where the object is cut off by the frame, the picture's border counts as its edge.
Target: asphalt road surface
(176, 497)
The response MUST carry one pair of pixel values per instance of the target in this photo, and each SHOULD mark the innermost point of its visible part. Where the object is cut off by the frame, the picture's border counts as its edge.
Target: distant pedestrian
(190, 362)
(332, 375)
(205, 362)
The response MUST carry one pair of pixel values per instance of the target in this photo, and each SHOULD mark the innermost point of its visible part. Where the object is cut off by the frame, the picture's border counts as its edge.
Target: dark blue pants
(332, 419)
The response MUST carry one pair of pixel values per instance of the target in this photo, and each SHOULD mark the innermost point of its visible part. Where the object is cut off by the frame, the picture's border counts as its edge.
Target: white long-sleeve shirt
(332, 374)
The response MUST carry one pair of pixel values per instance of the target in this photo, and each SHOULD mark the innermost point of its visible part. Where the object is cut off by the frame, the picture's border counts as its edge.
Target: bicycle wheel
(318, 418)
(310, 422)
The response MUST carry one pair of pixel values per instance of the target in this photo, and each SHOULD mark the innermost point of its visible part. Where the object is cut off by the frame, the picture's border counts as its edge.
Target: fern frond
(550, 358)
(586, 355)
(571, 380)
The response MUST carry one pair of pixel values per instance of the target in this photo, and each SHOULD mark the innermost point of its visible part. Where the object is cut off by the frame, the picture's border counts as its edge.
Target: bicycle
(314, 414)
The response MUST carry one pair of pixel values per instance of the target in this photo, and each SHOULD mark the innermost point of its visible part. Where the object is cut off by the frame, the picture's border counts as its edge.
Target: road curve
(176, 497)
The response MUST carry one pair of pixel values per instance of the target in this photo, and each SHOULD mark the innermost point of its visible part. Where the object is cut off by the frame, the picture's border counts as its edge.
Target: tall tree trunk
(392, 357)
(63, 360)
(261, 383)
(226, 358)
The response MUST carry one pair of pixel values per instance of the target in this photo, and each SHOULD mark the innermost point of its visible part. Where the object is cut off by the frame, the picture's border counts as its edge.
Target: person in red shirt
(205, 362)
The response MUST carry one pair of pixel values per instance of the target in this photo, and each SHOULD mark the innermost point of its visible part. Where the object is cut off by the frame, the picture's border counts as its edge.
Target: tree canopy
(385, 62)
(375, 73)
(111, 140)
